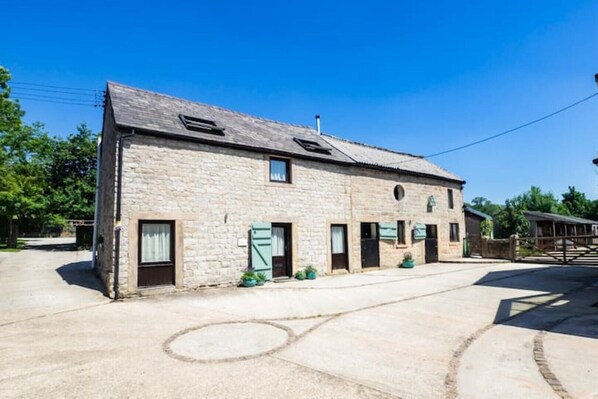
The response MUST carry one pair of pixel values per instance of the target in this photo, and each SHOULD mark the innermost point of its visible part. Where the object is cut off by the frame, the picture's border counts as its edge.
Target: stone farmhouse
(191, 195)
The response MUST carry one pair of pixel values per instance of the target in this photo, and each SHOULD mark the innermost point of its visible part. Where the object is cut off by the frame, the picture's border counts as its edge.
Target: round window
(399, 192)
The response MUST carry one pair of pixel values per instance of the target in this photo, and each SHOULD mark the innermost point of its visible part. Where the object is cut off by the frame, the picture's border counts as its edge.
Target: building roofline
(177, 137)
(215, 107)
(476, 212)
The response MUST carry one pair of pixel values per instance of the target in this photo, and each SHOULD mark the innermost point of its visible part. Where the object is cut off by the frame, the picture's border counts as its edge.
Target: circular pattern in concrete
(226, 342)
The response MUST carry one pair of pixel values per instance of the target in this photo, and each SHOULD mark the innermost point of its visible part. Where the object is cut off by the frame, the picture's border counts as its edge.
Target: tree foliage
(42, 179)
(484, 205)
(71, 175)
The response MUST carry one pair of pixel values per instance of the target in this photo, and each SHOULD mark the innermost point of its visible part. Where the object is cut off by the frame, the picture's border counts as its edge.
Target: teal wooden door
(261, 248)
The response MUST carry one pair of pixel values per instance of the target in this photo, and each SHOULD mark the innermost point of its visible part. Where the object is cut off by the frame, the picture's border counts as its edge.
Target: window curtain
(338, 239)
(278, 170)
(155, 242)
(277, 241)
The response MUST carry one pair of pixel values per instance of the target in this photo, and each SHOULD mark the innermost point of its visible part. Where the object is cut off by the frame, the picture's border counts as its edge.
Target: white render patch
(227, 342)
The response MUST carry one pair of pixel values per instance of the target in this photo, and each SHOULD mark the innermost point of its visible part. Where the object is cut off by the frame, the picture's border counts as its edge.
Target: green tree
(536, 200)
(511, 219)
(576, 203)
(71, 175)
(25, 152)
(484, 205)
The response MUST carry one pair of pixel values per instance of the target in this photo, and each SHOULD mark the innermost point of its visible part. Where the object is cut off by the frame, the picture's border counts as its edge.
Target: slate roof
(477, 213)
(159, 114)
(535, 215)
(369, 155)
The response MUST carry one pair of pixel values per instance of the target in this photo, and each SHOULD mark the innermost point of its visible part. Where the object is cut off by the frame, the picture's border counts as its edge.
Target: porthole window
(399, 192)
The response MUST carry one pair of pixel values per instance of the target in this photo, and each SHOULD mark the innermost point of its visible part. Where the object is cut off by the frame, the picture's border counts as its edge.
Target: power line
(54, 91)
(502, 133)
(55, 101)
(12, 83)
(56, 97)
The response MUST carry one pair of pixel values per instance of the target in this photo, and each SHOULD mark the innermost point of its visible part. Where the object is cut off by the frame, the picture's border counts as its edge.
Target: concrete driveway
(441, 330)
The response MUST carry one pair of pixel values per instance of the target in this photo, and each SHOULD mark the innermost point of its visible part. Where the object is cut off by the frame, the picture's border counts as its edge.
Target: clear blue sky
(414, 76)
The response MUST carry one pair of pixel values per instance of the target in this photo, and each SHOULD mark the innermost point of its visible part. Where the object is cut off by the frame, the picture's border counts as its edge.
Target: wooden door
(431, 243)
(281, 250)
(338, 245)
(370, 248)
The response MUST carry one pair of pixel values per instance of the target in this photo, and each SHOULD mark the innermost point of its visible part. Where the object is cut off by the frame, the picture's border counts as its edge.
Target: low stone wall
(498, 248)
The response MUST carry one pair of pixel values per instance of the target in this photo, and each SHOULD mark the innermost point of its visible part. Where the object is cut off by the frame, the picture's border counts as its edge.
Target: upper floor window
(451, 201)
(280, 170)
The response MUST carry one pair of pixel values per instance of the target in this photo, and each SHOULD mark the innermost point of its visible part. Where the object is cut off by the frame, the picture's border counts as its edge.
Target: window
(451, 203)
(399, 192)
(312, 146)
(401, 232)
(156, 242)
(454, 232)
(201, 125)
(280, 170)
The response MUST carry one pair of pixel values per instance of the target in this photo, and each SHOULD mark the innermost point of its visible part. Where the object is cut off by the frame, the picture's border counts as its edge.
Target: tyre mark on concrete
(41, 316)
(363, 387)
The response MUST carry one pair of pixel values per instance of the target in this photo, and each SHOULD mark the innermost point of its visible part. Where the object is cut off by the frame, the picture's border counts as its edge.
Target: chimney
(318, 124)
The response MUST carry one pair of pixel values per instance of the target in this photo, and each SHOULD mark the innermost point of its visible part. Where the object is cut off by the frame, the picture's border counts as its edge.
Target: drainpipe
(117, 226)
(96, 213)
(318, 124)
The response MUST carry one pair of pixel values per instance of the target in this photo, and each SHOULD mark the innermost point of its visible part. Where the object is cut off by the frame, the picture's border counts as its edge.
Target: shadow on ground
(81, 274)
(568, 301)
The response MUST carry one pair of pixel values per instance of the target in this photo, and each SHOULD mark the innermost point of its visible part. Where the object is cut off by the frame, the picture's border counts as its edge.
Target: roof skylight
(312, 146)
(201, 125)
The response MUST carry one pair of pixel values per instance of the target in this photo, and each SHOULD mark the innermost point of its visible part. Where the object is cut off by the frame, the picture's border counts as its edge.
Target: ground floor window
(401, 232)
(156, 253)
(454, 232)
(338, 238)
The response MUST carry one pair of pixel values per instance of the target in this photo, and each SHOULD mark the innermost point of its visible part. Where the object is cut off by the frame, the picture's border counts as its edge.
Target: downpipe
(117, 225)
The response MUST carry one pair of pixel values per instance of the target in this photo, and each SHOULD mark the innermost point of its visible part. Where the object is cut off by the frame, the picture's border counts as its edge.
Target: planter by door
(281, 250)
(431, 243)
(370, 249)
(156, 253)
(338, 238)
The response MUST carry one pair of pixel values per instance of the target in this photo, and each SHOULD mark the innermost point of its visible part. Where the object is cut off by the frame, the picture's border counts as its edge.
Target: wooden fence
(567, 250)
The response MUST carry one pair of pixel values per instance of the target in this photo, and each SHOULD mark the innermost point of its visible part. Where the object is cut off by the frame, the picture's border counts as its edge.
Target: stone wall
(498, 248)
(214, 194)
(105, 248)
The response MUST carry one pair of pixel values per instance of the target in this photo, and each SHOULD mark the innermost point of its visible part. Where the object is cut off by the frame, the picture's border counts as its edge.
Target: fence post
(513, 246)
(564, 250)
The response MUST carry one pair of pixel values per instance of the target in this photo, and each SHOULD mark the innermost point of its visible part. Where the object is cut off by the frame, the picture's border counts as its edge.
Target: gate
(567, 250)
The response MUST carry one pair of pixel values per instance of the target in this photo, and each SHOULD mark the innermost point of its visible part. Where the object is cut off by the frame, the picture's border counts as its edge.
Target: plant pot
(408, 264)
(259, 282)
(310, 275)
(249, 283)
(300, 277)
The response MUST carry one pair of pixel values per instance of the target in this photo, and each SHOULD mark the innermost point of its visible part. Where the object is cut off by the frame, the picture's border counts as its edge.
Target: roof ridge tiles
(373, 146)
(216, 107)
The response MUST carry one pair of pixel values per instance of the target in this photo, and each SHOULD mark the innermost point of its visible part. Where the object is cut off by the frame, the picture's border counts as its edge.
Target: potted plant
(300, 275)
(249, 279)
(260, 278)
(408, 261)
(310, 272)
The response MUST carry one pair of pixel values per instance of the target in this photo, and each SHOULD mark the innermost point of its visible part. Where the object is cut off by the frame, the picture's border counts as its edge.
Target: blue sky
(413, 76)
